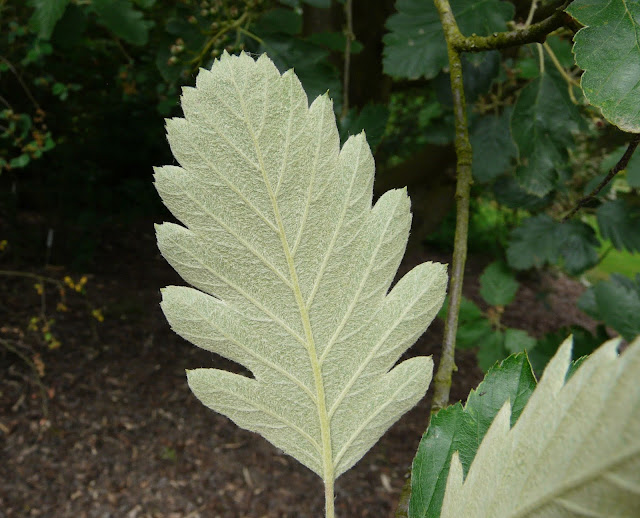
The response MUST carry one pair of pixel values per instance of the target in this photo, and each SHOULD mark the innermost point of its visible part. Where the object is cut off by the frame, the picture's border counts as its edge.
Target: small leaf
(491, 350)
(372, 119)
(492, 146)
(498, 285)
(542, 124)
(608, 52)
(46, 16)
(121, 18)
(518, 340)
(574, 450)
(617, 302)
(291, 266)
(620, 223)
(541, 240)
(462, 429)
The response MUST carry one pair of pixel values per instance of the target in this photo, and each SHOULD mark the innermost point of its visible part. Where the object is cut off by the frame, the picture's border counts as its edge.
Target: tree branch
(621, 165)
(534, 33)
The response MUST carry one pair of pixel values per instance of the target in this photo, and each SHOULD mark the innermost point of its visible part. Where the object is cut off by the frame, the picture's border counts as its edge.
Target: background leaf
(415, 45)
(620, 223)
(121, 18)
(608, 52)
(492, 146)
(498, 285)
(46, 16)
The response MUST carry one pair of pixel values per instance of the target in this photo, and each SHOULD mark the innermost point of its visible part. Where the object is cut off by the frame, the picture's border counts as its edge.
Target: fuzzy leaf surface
(291, 267)
(574, 451)
(608, 50)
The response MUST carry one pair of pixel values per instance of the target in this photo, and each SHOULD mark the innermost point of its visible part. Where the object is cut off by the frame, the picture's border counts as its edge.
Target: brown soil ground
(125, 438)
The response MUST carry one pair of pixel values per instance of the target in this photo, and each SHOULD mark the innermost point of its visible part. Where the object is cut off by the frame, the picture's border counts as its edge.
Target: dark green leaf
(608, 51)
(498, 285)
(492, 146)
(415, 45)
(541, 240)
(462, 429)
(542, 124)
(70, 28)
(578, 246)
(518, 340)
(475, 333)
(279, 21)
(323, 4)
(479, 71)
(534, 243)
(491, 349)
(618, 302)
(508, 192)
(619, 222)
(121, 18)
(46, 15)
(372, 119)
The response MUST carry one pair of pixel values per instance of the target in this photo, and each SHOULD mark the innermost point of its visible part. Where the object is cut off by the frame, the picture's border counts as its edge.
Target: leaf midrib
(325, 432)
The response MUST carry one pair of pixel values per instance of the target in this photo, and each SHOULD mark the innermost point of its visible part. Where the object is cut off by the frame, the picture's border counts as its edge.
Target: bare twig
(621, 165)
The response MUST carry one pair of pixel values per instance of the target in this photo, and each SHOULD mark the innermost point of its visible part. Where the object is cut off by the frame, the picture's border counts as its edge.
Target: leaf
(608, 52)
(335, 41)
(541, 240)
(498, 285)
(518, 340)
(121, 18)
(584, 343)
(620, 223)
(372, 119)
(508, 192)
(491, 350)
(415, 46)
(492, 146)
(291, 267)
(46, 15)
(279, 21)
(617, 302)
(542, 124)
(462, 429)
(479, 71)
(573, 452)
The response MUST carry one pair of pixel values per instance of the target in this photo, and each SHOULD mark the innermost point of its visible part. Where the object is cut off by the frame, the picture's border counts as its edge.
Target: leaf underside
(574, 451)
(291, 267)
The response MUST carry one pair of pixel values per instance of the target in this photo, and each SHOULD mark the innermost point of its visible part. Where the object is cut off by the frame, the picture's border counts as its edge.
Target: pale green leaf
(574, 451)
(292, 267)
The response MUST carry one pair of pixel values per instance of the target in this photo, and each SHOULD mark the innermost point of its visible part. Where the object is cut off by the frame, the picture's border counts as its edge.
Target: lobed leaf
(573, 452)
(608, 50)
(291, 267)
(46, 15)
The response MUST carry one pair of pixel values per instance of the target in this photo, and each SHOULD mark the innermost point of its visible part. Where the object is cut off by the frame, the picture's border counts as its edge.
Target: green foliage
(541, 240)
(493, 148)
(121, 18)
(542, 124)
(556, 430)
(46, 15)
(462, 428)
(607, 50)
(498, 285)
(619, 221)
(415, 45)
(617, 302)
(291, 266)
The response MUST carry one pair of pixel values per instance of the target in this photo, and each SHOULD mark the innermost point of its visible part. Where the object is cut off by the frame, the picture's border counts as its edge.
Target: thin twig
(532, 10)
(621, 165)
(349, 36)
(21, 81)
